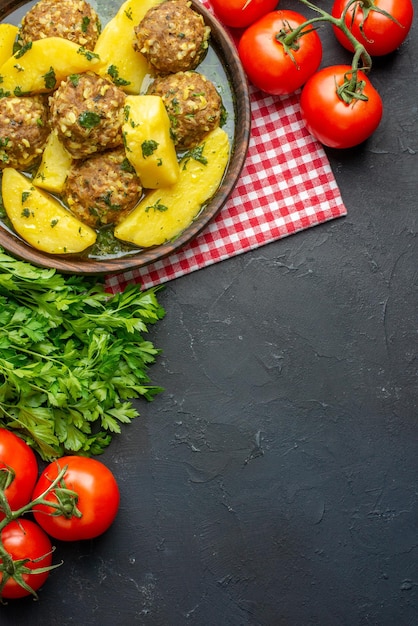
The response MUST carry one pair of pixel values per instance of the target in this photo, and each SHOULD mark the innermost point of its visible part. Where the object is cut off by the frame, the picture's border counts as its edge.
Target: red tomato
(23, 539)
(17, 455)
(332, 121)
(98, 499)
(241, 13)
(379, 34)
(265, 60)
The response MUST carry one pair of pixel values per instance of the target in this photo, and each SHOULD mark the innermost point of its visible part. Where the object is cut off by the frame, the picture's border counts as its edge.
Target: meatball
(102, 189)
(193, 106)
(87, 112)
(24, 130)
(75, 20)
(173, 37)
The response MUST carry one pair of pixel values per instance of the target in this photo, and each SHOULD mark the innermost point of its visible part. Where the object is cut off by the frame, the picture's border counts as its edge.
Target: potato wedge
(149, 146)
(8, 34)
(163, 214)
(122, 64)
(40, 219)
(40, 66)
(55, 165)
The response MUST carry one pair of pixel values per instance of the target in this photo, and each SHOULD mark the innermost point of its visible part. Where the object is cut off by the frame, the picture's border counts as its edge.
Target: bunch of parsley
(72, 357)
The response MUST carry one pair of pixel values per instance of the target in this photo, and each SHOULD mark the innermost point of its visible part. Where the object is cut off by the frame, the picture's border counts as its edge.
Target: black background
(275, 481)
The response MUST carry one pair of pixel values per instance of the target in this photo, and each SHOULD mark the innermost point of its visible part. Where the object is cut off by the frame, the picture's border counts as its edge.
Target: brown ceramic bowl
(222, 65)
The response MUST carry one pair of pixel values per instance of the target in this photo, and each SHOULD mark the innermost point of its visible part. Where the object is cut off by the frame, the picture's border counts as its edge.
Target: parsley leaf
(89, 119)
(149, 147)
(71, 357)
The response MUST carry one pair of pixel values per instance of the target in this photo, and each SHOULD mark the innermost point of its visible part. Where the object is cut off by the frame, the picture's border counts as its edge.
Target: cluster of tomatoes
(281, 52)
(73, 498)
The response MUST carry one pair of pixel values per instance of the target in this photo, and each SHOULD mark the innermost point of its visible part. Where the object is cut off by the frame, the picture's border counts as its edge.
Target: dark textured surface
(275, 480)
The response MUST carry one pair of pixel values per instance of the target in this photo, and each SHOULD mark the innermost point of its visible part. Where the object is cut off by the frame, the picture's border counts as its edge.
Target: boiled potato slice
(163, 214)
(122, 64)
(55, 165)
(40, 219)
(40, 66)
(149, 146)
(8, 33)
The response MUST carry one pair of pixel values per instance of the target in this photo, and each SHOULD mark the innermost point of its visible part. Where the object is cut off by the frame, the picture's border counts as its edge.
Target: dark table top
(274, 482)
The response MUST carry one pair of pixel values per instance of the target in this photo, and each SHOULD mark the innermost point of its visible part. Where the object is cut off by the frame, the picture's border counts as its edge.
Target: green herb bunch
(72, 357)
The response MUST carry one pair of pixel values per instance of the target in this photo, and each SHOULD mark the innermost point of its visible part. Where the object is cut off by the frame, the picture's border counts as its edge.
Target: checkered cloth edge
(286, 186)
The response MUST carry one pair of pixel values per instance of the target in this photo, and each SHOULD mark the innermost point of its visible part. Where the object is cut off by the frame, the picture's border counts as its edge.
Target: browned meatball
(102, 189)
(24, 129)
(75, 20)
(87, 112)
(193, 106)
(173, 37)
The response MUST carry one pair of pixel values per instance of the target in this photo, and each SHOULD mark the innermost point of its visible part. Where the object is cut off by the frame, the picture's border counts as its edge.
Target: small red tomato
(98, 499)
(23, 539)
(241, 13)
(18, 456)
(380, 34)
(334, 122)
(272, 61)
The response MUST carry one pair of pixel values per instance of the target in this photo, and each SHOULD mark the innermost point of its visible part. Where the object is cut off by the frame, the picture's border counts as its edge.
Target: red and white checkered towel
(286, 186)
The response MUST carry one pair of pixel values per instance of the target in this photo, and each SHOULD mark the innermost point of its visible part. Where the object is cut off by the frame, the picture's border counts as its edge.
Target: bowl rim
(225, 48)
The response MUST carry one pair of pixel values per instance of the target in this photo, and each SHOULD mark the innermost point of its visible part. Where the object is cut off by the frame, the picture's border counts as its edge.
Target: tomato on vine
(241, 13)
(279, 52)
(18, 470)
(379, 25)
(88, 494)
(25, 559)
(340, 106)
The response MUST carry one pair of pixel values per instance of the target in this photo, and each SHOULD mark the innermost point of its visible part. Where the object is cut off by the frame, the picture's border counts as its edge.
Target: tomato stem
(360, 52)
(17, 568)
(66, 504)
(14, 515)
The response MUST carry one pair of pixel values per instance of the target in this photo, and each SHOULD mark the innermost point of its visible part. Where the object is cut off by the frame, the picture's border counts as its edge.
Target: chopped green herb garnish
(148, 147)
(113, 72)
(107, 200)
(157, 207)
(89, 119)
(74, 79)
(23, 50)
(196, 154)
(88, 54)
(126, 166)
(85, 24)
(18, 91)
(50, 78)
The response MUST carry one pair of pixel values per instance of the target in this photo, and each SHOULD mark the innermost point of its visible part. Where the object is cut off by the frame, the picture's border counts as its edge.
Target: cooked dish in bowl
(121, 156)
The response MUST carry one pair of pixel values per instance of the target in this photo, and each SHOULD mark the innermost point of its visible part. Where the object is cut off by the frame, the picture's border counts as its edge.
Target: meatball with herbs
(74, 20)
(24, 130)
(87, 112)
(193, 105)
(172, 37)
(103, 189)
